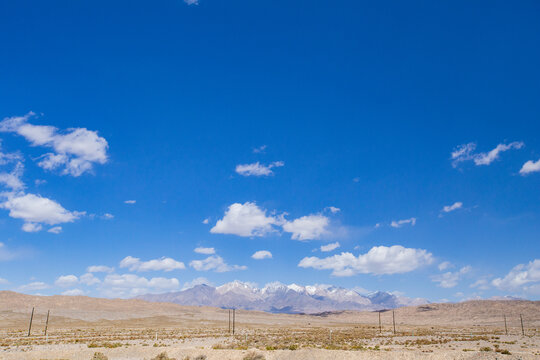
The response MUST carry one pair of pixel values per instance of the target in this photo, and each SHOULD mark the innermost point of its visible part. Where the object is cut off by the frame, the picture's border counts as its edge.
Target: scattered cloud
(206, 221)
(55, 230)
(465, 152)
(525, 277)
(400, 223)
(6, 254)
(163, 264)
(205, 250)
(379, 260)
(129, 285)
(481, 284)
(76, 149)
(3, 281)
(530, 167)
(31, 227)
(89, 279)
(307, 227)
(33, 286)
(262, 254)
(245, 220)
(330, 247)
(130, 202)
(258, 169)
(99, 268)
(450, 279)
(455, 206)
(192, 2)
(333, 209)
(445, 265)
(214, 263)
(66, 281)
(195, 282)
(73, 292)
(107, 216)
(259, 149)
(12, 180)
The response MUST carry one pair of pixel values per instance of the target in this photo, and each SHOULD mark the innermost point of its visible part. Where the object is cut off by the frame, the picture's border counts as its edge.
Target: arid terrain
(79, 327)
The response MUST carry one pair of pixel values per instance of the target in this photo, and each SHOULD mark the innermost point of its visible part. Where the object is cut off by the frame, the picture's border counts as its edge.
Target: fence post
(394, 321)
(30, 325)
(522, 330)
(229, 321)
(505, 327)
(380, 328)
(233, 320)
(47, 322)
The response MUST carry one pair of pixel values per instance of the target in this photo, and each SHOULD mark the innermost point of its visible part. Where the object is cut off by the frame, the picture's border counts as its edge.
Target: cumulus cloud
(214, 263)
(245, 220)
(521, 277)
(73, 292)
(195, 282)
(307, 227)
(258, 169)
(89, 279)
(76, 150)
(330, 247)
(129, 285)
(35, 209)
(455, 206)
(400, 223)
(206, 221)
(262, 254)
(33, 286)
(12, 180)
(466, 152)
(450, 279)
(445, 265)
(205, 250)
(333, 209)
(163, 264)
(55, 230)
(31, 227)
(99, 268)
(530, 167)
(66, 280)
(379, 260)
(481, 284)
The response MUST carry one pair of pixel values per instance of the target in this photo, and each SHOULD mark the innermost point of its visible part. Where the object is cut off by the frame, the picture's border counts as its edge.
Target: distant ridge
(281, 298)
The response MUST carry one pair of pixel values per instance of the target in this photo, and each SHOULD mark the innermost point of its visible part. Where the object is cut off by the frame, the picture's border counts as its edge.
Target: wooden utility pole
(47, 322)
(30, 326)
(522, 330)
(233, 320)
(380, 328)
(394, 321)
(505, 327)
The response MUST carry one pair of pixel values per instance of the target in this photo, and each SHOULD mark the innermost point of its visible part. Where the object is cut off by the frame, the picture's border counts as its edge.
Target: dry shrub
(253, 356)
(99, 356)
(163, 356)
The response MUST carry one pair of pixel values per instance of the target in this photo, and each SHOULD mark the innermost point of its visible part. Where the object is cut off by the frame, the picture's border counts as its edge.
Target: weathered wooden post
(522, 330)
(229, 321)
(30, 326)
(380, 328)
(47, 322)
(394, 321)
(505, 327)
(233, 320)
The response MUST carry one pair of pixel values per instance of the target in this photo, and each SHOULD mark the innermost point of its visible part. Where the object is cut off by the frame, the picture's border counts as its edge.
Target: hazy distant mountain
(281, 298)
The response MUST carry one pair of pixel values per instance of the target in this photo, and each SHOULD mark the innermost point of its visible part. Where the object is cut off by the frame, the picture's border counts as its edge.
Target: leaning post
(30, 325)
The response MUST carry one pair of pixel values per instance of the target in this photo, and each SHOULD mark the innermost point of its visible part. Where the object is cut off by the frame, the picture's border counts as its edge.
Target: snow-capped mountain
(280, 298)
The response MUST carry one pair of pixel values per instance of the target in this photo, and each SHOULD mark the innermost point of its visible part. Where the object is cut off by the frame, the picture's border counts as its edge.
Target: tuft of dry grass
(253, 356)
(99, 356)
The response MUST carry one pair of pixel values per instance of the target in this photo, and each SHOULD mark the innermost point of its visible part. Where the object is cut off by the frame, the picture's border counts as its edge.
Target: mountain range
(280, 298)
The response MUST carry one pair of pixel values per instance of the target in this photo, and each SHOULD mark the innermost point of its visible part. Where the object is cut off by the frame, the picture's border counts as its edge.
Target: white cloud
(519, 277)
(6, 254)
(215, 263)
(6, 158)
(330, 247)
(163, 264)
(481, 284)
(333, 209)
(36, 209)
(205, 251)
(66, 281)
(192, 2)
(33, 286)
(445, 265)
(55, 230)
(530, 167)
(31, 227)
(76, 150)
(450, 279)
(195, 282)
(130, 202)
(3, 281)
(107, 216)
(206, 221)
(400, 223)
(260, 149)
(99, 268)
(262, 254)
(12, 180)
(307, 227)
(129, 285)
(465, 152)
(245, 220)
(73, 292)
(455, 206)
(379, 260)
(89, 279)
(258, 169)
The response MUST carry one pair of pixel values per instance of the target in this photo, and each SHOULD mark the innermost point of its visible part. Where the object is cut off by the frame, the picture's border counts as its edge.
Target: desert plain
(90, 328)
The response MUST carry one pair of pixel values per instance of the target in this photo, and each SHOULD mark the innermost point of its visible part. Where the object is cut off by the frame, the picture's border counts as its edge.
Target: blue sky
(134, 132)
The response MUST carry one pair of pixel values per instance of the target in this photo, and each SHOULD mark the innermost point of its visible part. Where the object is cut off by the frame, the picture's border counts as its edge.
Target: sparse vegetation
(163, 356)
(99, 356)
(254, 356)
